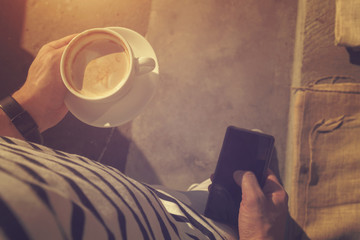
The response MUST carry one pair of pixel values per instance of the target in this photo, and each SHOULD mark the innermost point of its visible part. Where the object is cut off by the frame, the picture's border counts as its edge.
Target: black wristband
(21, 119)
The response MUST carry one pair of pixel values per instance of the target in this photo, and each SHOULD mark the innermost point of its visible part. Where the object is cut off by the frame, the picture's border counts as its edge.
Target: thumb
(251, 190)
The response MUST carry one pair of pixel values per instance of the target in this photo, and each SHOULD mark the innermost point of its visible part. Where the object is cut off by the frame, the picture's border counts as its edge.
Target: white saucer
(129, 106)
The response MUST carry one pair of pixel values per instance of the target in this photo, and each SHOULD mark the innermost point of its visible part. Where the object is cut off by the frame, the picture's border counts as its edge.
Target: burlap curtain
(325, 193)
(347, 23)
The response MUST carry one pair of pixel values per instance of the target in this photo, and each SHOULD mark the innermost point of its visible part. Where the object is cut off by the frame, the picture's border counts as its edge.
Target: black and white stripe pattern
(48, 194)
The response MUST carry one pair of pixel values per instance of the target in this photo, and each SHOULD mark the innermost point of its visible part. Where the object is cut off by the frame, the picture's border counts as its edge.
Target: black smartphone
(241, 150)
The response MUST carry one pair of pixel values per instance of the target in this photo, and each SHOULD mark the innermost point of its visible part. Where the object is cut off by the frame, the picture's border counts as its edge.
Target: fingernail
(238, 174)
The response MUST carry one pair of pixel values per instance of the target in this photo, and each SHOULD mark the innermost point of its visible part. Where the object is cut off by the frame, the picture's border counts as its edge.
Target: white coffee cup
(98, 65)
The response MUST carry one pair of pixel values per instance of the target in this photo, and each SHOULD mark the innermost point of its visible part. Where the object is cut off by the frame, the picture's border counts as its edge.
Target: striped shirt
(49, 194)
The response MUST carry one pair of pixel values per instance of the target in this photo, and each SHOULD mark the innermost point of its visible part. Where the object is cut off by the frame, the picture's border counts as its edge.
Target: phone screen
(243, 150)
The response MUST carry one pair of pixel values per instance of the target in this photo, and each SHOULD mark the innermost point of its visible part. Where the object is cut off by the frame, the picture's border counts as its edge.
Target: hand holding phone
(242, 150)
(263, 211)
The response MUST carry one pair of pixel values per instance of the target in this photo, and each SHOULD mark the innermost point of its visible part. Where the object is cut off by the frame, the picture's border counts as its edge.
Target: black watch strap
(21, 119)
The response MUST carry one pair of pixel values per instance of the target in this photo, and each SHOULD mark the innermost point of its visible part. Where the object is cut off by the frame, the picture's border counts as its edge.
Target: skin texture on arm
(42, 95)
(7, 128)
(263, 212)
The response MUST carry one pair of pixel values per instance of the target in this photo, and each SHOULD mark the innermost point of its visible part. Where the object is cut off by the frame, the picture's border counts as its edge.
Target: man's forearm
(7, 128)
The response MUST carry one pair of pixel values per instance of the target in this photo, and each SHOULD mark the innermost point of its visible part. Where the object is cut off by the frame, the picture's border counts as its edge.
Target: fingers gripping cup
(99, 65)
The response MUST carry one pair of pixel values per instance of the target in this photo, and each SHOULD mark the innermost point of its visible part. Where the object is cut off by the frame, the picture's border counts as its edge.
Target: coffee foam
(103, 74)
(98, 67)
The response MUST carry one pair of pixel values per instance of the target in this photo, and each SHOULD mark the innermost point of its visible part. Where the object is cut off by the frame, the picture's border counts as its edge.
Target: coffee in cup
(98, 65)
